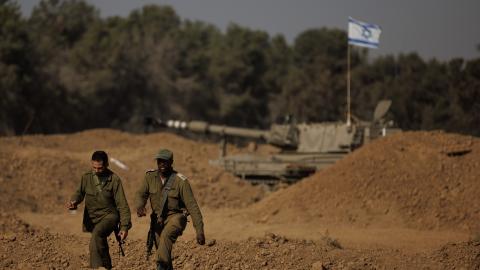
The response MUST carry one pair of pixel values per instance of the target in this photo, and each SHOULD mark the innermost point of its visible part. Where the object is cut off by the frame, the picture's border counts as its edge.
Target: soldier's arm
(142, 194)
(188, 198)
(122, 206)
(79, 195)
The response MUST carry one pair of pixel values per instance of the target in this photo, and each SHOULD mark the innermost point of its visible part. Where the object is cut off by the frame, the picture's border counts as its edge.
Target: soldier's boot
(161, 266)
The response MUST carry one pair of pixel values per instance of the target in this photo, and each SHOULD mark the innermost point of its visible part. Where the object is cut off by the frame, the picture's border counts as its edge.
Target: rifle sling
(165, 190)
(153, 217)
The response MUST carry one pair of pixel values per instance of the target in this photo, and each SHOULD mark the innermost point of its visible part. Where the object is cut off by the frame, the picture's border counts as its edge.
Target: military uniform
(105, 207)
(180, 198)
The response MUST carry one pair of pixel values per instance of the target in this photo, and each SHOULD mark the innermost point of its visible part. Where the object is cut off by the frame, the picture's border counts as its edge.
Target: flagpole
(348, 86)
(364, 35)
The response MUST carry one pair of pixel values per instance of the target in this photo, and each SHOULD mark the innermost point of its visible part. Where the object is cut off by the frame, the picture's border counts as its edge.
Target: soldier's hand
(201, 239)
(71, 205)
(123, 235)
(141, 212)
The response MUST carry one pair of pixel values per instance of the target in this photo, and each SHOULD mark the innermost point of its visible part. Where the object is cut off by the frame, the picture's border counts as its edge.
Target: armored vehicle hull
(282, 167)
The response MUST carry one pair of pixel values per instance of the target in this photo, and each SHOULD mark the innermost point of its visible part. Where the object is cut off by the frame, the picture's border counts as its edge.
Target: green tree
(239, 64)
(316, 87)
(67, 69)
(60, 24)
(125, 66)
(192, 86)
(465, 98)
(15, 70)
(279, 61)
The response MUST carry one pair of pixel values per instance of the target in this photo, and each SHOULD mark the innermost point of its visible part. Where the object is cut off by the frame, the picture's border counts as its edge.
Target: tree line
(65, 69)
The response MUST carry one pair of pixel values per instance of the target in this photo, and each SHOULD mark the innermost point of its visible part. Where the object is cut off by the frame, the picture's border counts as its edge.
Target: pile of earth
(26, 247)
(39, 173)
(420, 180)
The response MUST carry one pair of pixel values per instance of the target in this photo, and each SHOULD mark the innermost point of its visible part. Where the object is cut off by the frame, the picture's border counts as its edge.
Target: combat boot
(161, 266)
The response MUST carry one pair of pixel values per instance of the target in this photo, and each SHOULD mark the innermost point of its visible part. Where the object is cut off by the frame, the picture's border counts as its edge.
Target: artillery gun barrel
(204, 127)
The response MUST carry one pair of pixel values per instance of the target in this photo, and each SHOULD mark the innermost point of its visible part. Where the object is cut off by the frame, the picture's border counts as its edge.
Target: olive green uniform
(105, 207)
(180, 198)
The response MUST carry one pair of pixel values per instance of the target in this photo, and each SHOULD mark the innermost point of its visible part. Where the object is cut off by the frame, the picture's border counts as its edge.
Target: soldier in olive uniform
(172, 216)
(106, 208)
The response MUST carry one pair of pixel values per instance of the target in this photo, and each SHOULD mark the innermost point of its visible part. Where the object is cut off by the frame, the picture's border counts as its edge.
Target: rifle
(119, 240)
(151, 235)
(156, 223)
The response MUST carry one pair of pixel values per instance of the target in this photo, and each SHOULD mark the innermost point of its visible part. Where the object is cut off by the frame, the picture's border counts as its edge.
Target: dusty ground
(409, 201)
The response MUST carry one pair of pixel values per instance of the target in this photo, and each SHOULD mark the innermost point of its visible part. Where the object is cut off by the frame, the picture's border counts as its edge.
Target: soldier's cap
(164, 154)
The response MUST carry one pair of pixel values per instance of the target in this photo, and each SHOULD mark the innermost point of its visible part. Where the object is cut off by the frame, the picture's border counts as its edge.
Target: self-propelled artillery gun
(304, 147)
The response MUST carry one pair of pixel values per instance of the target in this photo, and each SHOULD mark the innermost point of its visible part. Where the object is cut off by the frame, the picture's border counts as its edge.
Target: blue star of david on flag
(363, 34)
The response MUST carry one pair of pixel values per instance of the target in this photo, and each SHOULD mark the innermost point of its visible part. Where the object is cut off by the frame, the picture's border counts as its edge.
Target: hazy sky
(443, 29)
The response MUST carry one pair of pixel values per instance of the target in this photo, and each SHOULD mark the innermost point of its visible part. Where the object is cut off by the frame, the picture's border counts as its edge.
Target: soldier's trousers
(173, 227)
(99, 254)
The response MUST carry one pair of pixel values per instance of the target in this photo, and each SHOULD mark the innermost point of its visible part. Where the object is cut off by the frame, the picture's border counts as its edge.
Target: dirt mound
(36, 180)
(25, 247)
(418, 180)
(421, 180)
(465, 255)
(39, 173)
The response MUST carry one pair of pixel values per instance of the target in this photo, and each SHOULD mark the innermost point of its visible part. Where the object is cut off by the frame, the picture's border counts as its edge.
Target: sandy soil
(409, 201)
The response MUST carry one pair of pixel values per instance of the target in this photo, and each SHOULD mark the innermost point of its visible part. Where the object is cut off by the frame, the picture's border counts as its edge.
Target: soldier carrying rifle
(171, 199)
(106, 209)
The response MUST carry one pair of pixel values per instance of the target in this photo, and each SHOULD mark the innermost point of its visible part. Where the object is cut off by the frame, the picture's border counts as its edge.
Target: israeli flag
(363, 34)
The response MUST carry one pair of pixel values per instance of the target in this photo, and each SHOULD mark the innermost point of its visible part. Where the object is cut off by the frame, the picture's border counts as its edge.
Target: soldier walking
(171, 199)
(106, 208)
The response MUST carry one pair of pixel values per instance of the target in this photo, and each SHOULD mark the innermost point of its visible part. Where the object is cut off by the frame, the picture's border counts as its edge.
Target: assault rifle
(119, 240)
(151, 235)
